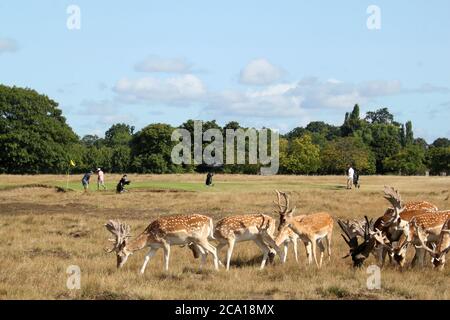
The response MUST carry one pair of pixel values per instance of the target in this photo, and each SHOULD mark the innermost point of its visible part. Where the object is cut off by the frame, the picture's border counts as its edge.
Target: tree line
(35, 138)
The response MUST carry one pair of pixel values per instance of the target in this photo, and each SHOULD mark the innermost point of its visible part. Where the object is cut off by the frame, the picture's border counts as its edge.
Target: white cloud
(174, 90)
(273, 101)
(8, 45)
(298, 99)
(380, 88)
(260, 72)
(98, 108)
(168, 65)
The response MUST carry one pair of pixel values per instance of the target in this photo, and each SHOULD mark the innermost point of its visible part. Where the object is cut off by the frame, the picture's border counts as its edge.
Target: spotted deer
(284, 238)
(259, 228)
(440, 249)
(163, 232)
(312, 229)
(395, 221)
(431, 224)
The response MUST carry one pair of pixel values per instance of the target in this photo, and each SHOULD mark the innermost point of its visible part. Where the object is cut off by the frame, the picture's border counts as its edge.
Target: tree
(121, 159)
(402, 135)
(340, 153)
(118, 135)
(92, 140)
(151, 149)
(385, 143)
(441, 143)
(380, 116)
(439, 160)
(409, 135)
(34, 136)
(352, 122)
(301, 156)
(408, 161)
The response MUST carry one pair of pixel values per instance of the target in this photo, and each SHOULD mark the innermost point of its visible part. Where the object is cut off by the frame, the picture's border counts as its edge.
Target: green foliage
(340, 153)
(34, 136)
(441, 143)
(380, 116)
(151, 149)
(408, 161)
(439, 160)
(300, 156)
(119, 135)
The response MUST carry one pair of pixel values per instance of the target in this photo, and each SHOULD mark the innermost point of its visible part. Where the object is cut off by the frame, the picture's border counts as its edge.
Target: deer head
(286, 214)
(437, 257)
(121, 233)
(358, 252)
(393, 196)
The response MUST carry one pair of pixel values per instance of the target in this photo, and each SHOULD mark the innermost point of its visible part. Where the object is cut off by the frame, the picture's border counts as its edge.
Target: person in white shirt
(100, 179)
(350, 176)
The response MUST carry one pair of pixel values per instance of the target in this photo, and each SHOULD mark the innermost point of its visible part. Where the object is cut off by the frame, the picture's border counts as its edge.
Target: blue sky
(278, 64)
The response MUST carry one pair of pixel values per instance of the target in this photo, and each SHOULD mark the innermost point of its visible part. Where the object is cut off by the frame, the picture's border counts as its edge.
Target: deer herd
(418, 225)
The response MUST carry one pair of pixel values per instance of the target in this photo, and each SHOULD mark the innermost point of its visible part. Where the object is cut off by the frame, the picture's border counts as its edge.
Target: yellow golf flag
(72, 163)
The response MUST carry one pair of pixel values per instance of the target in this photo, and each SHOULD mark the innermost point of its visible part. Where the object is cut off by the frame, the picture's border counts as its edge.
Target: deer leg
(328, 236)
(294, 246)
(166, 249)
(322, 250)
(313, 251)
(210, 248)
(308, 251)
(265, 249)
(285, 251)
(218, 248)
(230, 251)
(147, 258)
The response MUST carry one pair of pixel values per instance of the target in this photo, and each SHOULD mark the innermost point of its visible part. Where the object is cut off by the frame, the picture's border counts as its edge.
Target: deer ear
(291, 212)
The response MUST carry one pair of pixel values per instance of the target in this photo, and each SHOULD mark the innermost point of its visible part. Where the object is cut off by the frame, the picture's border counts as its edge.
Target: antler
(420, 235)
(282, 208)
(121, 232)
(381, 239)
(393, 196)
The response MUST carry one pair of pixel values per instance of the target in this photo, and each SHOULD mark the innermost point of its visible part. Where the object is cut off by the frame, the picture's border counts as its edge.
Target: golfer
(350, 176)
(100, 179)
(85, 180)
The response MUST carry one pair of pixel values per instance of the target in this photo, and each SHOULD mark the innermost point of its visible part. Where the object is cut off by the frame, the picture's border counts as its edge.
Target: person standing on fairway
(350, 176)
(100, 179)
(85, 180)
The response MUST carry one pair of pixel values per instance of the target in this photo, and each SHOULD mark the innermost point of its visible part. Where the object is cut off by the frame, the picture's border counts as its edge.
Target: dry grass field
(43, 231)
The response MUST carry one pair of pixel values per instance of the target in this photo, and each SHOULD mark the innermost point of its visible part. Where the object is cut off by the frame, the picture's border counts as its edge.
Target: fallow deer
(359, 252)
(285, 237)
(312, 229)
(432, 224)
(395, 221)
(162, 233)
(259, 228)
(441, 249)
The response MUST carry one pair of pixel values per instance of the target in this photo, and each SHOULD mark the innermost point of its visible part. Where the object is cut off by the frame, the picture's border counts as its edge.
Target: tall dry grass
(44, 231)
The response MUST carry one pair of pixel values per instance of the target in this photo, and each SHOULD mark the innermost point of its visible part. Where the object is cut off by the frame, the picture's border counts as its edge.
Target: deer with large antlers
(431, 224)
(259, 228)
(440, 249)
(312, 229)
(395, 221)
(162, 233)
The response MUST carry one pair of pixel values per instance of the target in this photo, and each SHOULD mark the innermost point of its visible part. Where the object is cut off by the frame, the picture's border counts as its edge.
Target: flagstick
(67, 183)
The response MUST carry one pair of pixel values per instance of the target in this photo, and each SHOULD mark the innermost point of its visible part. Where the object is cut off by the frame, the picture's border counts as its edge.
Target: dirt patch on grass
(56, 252)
